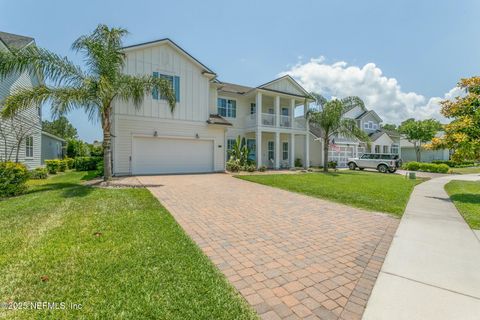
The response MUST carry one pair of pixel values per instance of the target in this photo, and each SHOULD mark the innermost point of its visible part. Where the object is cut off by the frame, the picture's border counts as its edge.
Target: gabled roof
(291, 80)
(234, 88)
(174, 45)
(363, 115)
(377, 134)
(15, 41)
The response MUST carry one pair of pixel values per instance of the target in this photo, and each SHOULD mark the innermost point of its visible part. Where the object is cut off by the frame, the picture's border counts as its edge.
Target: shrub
(249, 168)
(332, 164)
(52, 166)
(455, 164)
(13, 178)
(62, 165)
(38, 173)
(70, 163)
(233, 166)
(298, 163)
(87, 163)
(262, 169)
(427, 167)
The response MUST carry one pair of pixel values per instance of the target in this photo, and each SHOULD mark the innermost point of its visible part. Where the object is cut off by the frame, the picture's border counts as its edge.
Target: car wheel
(352, 166)
(361, 168)
(382, 168)
(392, 170)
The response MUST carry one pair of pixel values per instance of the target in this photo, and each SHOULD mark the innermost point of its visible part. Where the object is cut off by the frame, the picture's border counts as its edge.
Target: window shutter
(176, 87)
(155, 90)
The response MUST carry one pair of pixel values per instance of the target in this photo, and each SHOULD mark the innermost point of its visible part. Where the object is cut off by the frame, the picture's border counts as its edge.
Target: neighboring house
(208, 116)
(341, 148)
(408, 151)
(52, 147)
(22, 135)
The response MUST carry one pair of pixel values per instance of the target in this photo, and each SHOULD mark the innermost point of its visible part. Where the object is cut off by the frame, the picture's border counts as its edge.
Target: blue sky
(402, 57)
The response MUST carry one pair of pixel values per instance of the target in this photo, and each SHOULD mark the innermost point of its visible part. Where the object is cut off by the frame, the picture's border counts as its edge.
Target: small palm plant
(328, 116)
(94, 89)
(240, 152)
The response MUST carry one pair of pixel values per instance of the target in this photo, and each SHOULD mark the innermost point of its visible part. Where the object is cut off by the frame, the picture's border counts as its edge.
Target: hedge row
(427, 167)
(455, 164)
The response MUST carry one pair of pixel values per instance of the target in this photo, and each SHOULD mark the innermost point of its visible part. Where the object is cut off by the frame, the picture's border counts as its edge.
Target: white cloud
(380, 93)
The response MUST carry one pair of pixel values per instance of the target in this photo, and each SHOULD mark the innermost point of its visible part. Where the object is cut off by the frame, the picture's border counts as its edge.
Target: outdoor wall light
(197, 136)
(155, 134)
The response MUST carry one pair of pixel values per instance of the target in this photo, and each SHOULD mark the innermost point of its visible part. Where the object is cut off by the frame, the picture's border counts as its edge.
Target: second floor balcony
(270, 120)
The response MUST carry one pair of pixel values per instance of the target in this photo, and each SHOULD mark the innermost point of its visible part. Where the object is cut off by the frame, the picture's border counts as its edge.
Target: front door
(252, 148)
(271, 153)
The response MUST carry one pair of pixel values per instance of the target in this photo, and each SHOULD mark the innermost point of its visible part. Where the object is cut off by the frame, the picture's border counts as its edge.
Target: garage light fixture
(197, 136)
(155, 134)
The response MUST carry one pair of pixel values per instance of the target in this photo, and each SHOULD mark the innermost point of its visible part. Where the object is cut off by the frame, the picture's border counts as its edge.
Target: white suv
(383, 162)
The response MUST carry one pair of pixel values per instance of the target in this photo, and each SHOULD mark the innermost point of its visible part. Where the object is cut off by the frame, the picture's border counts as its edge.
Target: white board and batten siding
(29, 119)
(284, 85)
(154, 120)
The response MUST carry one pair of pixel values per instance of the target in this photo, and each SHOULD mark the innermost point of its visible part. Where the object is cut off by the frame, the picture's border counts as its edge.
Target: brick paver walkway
(290, 256)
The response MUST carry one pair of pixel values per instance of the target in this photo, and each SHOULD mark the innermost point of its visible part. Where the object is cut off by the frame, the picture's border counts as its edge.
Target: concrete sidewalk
(432, 269)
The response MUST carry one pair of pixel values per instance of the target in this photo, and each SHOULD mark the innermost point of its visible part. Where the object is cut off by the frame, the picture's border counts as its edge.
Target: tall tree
(60, 127)
(419, 132)
(463, 133)
(93, 89)
(328, 116)
(390, 127)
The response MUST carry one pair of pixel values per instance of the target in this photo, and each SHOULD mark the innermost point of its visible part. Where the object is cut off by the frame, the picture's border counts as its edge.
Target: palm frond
(64, 99)
(348, 128)
(352, 102)
(132, 88)
(102, 51)
(49, 65)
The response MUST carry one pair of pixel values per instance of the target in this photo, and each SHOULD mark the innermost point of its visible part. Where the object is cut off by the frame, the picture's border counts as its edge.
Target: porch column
(307, 151)
(258, 108)
(292, 150)
(305, 110)
(292, 112)
(277, 111)
(258, 147)
(277, 150)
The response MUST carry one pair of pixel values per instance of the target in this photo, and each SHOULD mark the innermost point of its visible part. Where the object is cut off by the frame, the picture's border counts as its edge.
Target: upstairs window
(394, 148)
(253, 108)
(174, 83)
(385, 149)
(29, 147)
(227, 107)
(377, 149)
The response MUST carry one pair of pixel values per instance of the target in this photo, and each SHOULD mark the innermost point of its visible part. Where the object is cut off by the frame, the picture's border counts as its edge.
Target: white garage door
(167, 155)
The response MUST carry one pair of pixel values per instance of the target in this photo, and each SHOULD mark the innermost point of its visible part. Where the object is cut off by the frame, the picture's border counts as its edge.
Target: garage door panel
(167, 155)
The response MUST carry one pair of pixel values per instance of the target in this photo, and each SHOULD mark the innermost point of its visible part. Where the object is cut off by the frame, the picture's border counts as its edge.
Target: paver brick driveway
(290, 256)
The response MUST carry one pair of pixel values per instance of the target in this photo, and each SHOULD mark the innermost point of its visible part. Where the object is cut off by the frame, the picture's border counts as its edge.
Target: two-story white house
(208, 116)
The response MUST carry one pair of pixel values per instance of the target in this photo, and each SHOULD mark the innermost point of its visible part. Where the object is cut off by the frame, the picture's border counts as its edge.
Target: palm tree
(71, 87)
(327, 116)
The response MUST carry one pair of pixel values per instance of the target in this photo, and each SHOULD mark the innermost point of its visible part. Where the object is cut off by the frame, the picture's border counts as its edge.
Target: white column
(292, 150)
(258, 150)
(258, 108)
(277, 111)
(277, 150)
(307, 151)
(292, 112)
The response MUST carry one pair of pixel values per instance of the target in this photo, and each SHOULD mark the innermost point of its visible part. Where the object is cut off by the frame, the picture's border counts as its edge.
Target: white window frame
(285, 152)
(253, 108)
(230, 107)
(377, 147)
(230, 147)
(272, 150)
(394, 147)
(29, 147)
(385, 147)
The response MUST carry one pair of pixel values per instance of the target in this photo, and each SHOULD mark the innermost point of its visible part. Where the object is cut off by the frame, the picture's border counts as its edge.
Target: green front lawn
(366, 190)
(466, 170)
(466, 196)
(117, 252)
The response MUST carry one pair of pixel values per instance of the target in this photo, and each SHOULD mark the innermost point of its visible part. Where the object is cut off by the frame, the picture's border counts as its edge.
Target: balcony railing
(286, 121)
(268, 120)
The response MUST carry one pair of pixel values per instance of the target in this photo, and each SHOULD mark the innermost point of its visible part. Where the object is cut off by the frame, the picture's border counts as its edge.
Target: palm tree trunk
(107, 143)
(325, 154)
